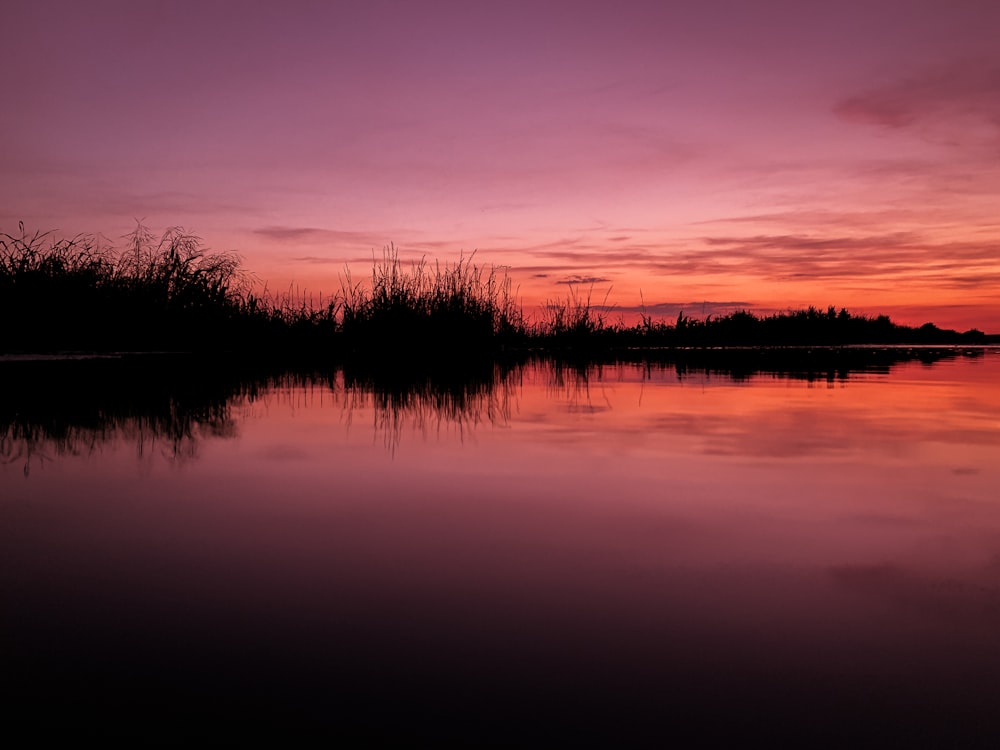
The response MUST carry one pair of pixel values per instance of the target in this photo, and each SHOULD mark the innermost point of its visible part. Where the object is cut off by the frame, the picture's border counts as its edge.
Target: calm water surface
(621, 554)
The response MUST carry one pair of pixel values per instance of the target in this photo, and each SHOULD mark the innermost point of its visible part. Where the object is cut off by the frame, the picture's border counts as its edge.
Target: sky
(699, 156)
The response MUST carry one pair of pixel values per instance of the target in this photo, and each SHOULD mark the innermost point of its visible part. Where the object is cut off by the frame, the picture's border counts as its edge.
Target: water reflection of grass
(428, 400)
(76, 407)
(169, 404)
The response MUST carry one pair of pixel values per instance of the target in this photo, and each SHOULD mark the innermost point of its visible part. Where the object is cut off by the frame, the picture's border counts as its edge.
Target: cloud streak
(313, 235)
(578, 280)
(699, 308)
(955, 103)
(793, 257)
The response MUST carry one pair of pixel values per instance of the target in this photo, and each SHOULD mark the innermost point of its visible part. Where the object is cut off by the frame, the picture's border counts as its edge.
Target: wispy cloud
(827, 220)
(811, 243)
(316, 260)
(698, 309)
(577, 279)
(955, 103)
(900, 254)
(316, 234)
(343, 245)
(870, 260)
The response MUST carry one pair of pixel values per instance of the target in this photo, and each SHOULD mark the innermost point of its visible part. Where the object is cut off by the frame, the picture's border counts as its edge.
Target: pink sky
(712, 155)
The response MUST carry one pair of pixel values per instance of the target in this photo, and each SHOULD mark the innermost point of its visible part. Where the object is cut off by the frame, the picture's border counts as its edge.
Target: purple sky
(716, 153)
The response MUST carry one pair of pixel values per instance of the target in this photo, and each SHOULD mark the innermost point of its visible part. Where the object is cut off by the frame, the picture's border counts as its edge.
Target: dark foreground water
(624, 555)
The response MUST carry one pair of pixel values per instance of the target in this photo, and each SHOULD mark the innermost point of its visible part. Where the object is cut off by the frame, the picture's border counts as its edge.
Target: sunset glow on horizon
(703, 157)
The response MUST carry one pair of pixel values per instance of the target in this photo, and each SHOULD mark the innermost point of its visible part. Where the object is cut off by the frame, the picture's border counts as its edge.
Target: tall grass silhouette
(79, 294)
(169, 293)
(436, 309)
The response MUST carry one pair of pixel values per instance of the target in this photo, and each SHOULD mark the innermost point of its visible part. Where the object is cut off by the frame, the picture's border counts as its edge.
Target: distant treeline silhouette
(168, 293)
(808, 327)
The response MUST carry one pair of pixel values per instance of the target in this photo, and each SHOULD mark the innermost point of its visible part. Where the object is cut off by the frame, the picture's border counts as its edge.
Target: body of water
(625, 554)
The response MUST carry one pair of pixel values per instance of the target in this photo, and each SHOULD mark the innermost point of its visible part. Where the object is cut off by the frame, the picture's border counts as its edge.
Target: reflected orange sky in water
(776, 468)
(823, 554)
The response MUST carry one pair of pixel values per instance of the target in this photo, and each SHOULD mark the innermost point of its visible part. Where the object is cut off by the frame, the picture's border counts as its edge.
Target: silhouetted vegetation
(168, 293)
(78, 295)
(809, 327)
(428, 309)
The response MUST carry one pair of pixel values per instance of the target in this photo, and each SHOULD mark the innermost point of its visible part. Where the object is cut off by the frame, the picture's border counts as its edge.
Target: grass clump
(575, 322)
(78, 294)
(427, 309)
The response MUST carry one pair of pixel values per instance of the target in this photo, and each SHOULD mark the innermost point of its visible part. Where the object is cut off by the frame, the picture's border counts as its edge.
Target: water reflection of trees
(818, 363)
(571, 380)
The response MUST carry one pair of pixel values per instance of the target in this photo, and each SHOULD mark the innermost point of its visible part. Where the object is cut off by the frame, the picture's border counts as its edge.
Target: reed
(80, 294)
(168, 293)
(429, 309)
